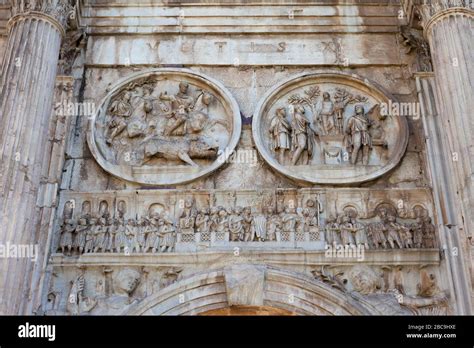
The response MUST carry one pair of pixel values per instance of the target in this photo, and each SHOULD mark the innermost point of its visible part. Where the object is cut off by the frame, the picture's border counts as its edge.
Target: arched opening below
(247, 311)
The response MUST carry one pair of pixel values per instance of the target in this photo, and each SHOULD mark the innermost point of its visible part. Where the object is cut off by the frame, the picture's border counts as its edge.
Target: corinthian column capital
(431, 12)
(56, 11)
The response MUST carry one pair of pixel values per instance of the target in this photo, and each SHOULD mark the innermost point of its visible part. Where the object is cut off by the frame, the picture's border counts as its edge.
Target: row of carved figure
(158, 231)
(243, 225)
(383, 234)
(106, 234)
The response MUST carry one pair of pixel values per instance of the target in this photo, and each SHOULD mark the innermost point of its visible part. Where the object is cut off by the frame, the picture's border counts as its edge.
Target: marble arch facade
(181, 159)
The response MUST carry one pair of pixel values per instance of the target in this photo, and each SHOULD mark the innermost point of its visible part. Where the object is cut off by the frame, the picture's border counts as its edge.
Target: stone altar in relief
(164, 127)
(328, 129)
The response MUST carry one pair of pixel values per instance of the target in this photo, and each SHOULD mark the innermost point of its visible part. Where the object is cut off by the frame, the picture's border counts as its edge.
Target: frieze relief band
(185, 222)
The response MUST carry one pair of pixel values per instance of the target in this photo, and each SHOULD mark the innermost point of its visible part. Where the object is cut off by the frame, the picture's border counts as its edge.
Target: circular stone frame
(125, 172)
(349, 80)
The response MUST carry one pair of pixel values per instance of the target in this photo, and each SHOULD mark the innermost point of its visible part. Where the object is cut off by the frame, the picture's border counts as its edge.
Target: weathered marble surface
(247, 53)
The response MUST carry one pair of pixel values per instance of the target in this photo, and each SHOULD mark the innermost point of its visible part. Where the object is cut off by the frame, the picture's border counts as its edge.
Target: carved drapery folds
(330, 129)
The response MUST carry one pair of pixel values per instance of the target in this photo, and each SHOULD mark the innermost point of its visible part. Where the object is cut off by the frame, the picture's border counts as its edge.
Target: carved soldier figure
(301, 136)
(332, 231)
(273, 225)
(100, 240)
(141, 228)
(131, 233)
(90, 236)
(152, 231)
(167, 234)
(325, 114)
(235, 225)
(392, 228)
(202, 221)
(358, 137)
(247, 219)
(429, 236)
(360, 233)
(121, 109)
(417, 231)
(67, 230)
(110, 234)
(120, 235)
(375, 232)
(347, 228)
(80, 236)
(280, 131)
(406, 236)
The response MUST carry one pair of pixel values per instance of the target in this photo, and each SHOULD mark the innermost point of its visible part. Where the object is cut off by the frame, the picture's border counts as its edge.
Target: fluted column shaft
(26, 92)
(450, 33)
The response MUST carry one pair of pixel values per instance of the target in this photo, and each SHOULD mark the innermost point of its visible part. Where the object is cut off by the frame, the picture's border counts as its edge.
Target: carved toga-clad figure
(235, 225)
(280, 131)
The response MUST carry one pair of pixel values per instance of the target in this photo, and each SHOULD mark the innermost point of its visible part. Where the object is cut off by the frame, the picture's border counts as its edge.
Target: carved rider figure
(181, 105)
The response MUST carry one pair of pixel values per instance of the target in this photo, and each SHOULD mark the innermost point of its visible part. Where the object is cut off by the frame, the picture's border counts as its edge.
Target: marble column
(27, 85)
(450, 227)
(449, 29)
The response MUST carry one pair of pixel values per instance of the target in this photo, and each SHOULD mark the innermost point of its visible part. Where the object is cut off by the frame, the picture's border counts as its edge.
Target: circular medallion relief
(329, 129)
(164, 127)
